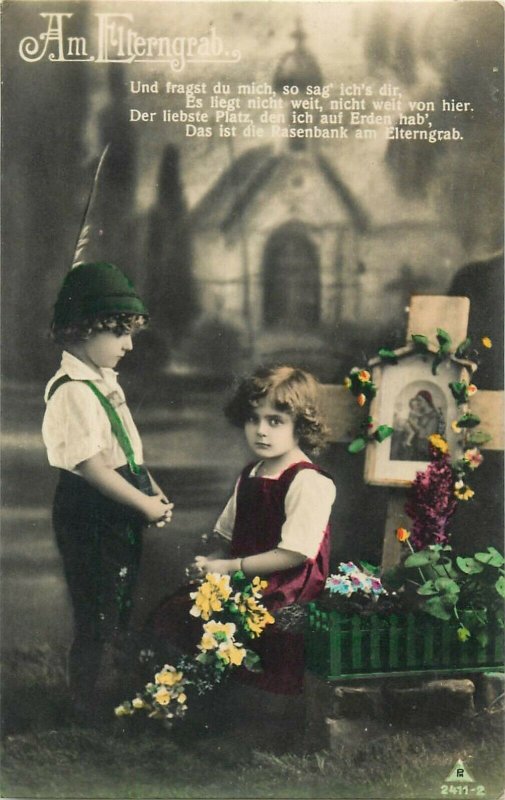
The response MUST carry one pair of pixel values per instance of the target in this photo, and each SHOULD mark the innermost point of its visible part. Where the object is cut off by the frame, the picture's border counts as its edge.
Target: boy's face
(270, 433)
(104, 349)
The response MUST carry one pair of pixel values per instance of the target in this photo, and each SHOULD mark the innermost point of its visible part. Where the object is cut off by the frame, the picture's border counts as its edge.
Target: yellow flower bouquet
(232, 614)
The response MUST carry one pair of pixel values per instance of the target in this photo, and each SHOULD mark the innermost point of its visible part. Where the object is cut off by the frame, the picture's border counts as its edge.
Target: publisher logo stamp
(460, 783)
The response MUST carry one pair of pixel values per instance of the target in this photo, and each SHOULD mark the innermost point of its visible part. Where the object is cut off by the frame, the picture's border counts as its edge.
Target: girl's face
(103, 349)
(270, 433)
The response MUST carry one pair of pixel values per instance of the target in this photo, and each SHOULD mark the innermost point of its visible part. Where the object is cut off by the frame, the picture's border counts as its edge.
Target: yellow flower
(228, 628)
(124, 710)
(364, 375)
(163, 696)
(137, 702)
(210, 639)
(361, 399)
(221, 583)
(168, 677)
(463, 634)
(347, 383)
(454, 426)
(232, 654)
(402, 534)
(182, 698)
(438, 442)
(464, 493)
(258, 584)
(486, 341)
(208, 642)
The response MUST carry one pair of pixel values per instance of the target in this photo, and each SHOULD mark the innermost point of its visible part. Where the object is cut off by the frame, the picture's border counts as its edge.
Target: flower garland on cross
(469, 589)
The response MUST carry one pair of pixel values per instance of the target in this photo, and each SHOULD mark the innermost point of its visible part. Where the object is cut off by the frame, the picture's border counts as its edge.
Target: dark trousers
(100, 543)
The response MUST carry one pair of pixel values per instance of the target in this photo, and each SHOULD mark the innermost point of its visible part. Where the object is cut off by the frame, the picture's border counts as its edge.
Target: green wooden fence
(349, 646)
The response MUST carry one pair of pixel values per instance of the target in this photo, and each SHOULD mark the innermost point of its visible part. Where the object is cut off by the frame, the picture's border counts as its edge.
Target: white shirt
(75, 425)
(307, 507)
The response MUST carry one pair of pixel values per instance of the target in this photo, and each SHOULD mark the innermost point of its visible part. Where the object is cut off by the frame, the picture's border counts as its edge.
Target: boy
(105, 495)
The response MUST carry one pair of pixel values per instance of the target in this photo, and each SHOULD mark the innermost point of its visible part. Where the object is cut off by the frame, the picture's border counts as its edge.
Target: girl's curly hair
(120, 323)
(290, 390)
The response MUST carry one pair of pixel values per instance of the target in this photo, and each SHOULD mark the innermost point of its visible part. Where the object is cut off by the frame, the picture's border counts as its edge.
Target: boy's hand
(168, 513)
(157, 509)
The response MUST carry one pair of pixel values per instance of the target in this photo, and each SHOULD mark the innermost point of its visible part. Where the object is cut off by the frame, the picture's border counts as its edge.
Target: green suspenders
(115, 420)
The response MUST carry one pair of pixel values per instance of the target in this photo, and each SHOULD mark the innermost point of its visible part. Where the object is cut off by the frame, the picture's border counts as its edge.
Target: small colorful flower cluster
(471, 460)
(350, 580)
(360, 384)
(164, 699)
(232, 614)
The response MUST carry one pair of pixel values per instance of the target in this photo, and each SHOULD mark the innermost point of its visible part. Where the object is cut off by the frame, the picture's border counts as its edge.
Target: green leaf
(382, 432)
(469, 565)
(447, 585)
(252, 662)
(444, 340)
(357, 445)
(449, 600)
(421, 559)
(482, 638)
(388, 355)
(459, 391)
(498, 560)
(478, 438)
(463, 347)
(436, 608)
(421, 342)
(500, 586)
(468, 421)
(427, 588)
(493, 558)
(436, 363)
(371, 568)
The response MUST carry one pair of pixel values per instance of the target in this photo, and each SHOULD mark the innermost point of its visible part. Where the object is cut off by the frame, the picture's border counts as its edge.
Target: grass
(46, 754)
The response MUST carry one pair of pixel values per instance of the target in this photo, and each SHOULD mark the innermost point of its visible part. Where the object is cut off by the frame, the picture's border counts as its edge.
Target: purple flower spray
(431, 502)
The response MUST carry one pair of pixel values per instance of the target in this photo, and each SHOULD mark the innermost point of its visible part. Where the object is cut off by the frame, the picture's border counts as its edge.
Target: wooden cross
(343, 415)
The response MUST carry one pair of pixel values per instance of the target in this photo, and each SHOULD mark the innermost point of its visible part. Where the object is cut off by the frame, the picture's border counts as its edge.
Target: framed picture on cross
(417, 404)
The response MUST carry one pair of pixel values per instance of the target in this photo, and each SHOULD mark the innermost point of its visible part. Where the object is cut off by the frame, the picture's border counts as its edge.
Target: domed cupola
(298, 67)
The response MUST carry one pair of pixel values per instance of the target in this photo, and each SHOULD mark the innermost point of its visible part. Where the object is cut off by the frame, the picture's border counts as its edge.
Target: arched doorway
(291, 284)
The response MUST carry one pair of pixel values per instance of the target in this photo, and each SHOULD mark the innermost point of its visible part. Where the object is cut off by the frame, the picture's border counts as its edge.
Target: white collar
(79, 371)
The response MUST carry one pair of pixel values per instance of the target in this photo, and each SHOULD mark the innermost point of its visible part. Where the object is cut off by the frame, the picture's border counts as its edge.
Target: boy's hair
(120, 323)
(290, 390)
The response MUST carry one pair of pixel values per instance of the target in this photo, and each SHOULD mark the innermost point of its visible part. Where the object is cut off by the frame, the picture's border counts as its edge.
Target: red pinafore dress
(258, 525)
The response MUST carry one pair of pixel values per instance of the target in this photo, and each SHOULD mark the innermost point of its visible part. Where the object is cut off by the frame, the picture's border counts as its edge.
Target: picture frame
(416, 403)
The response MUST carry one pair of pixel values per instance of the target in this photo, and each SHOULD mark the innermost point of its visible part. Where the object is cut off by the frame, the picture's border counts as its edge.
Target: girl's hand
(223, 566)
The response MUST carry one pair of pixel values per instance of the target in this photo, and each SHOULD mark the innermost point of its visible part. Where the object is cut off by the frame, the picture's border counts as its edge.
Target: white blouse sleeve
(74, 427)
(226, 522)
(307, 505)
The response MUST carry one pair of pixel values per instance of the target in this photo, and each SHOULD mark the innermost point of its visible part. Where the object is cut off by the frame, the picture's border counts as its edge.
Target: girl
(275, 525)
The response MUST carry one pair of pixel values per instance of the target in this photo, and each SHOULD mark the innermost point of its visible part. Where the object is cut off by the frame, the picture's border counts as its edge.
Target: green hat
(93, 290)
